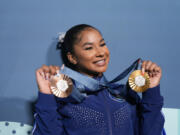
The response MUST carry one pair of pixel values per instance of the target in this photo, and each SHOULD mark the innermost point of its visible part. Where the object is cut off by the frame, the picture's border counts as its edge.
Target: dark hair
(71, 37)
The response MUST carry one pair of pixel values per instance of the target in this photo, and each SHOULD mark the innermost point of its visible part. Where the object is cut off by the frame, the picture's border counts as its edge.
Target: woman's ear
(71, 58)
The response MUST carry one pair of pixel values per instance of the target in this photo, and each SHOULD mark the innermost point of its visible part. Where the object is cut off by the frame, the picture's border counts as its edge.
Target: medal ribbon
(92, 85)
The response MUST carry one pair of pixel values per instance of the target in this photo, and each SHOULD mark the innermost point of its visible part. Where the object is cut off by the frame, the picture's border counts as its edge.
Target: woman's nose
(99, 52)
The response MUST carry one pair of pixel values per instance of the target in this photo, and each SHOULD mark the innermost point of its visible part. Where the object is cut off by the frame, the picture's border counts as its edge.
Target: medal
(139, 82)
(61, 85)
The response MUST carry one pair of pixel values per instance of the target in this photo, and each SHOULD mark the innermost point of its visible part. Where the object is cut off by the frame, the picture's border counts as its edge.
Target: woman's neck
(91, 74)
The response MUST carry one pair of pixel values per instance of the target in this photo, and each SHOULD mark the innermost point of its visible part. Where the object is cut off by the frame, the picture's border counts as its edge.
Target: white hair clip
(61, 37)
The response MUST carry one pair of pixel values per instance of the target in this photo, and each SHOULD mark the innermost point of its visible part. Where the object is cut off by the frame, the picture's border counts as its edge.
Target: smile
(100, 62)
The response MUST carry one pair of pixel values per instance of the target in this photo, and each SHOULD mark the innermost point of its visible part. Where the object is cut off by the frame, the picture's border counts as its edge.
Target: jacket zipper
(108, 114)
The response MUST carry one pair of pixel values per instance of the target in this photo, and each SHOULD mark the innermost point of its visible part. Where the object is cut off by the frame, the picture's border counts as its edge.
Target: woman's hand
(43, 76)
(154, 72)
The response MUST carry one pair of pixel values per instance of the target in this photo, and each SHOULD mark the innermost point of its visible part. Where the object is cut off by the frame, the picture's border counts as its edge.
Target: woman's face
(91, 53)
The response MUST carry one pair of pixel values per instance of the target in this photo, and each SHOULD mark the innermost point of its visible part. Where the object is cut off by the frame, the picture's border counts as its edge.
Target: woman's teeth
(100, 63)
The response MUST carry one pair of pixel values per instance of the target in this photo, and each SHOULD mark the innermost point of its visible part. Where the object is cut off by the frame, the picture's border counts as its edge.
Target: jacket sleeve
(151, 118)
(47, 120)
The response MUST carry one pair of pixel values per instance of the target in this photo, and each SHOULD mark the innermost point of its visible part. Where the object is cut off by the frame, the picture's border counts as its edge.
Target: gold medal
(61, 85)
(139, 82)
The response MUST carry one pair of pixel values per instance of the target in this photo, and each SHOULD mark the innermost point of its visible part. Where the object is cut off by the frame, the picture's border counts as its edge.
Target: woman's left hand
(154, 72)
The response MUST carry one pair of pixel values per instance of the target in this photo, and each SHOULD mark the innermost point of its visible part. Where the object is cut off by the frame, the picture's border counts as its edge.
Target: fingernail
(47, 76)
(42, 74)
(142, 71)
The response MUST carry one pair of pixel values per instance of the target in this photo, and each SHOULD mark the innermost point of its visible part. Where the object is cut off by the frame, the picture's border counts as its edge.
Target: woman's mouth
(100, 62)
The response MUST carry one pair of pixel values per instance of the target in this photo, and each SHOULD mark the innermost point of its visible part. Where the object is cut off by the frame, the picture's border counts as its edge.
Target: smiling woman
(100, 112)
(91, 53)
(88, 53)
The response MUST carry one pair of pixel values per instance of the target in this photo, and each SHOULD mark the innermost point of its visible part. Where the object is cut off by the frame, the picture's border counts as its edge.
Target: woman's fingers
(150, 67)
(57, 68)
(40, 73)
(47, 76)
(143, 67)
(154, 71)
(147, 65)
(43, 77)
(50, 70)
(45, 69)
(46, 72)
(158, 69)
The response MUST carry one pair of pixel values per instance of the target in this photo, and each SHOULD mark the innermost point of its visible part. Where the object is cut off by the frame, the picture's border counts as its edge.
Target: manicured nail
(143, 71)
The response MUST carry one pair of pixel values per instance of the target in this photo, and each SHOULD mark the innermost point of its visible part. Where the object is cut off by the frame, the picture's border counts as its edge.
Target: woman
(100, 113)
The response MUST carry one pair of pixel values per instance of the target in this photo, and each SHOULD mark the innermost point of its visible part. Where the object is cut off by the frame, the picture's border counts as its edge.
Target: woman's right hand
(43, 76)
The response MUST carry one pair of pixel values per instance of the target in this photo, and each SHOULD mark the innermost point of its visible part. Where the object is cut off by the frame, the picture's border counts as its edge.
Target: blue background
(131, 28)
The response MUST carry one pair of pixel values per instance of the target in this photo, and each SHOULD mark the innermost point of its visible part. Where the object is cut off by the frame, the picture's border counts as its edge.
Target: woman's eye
(88, 48)
(103, 44)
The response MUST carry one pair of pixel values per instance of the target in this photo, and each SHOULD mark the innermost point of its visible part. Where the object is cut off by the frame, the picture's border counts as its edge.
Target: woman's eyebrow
(101, 40)
(88, 43)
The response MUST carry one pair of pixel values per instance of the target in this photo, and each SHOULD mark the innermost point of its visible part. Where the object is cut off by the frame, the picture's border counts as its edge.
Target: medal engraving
(61, 85)
(139, 82)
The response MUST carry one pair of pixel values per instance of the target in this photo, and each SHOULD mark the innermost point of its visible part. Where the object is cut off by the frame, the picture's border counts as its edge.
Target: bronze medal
(139, 82)
(61, 85)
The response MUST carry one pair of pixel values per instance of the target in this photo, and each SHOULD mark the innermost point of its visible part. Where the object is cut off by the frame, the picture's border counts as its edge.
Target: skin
(88, 52)
(90, 49)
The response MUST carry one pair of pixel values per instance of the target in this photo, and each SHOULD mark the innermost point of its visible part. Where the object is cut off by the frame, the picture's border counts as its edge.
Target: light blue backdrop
(131, 28)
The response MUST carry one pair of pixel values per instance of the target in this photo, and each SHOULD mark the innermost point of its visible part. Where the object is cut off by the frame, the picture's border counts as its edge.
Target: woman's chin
(100, 70)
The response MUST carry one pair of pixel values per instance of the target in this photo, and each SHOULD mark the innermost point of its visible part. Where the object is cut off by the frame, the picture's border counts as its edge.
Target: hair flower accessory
(60, 39)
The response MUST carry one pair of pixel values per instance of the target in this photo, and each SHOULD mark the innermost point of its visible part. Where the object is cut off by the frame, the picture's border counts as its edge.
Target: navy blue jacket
(101, 114)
